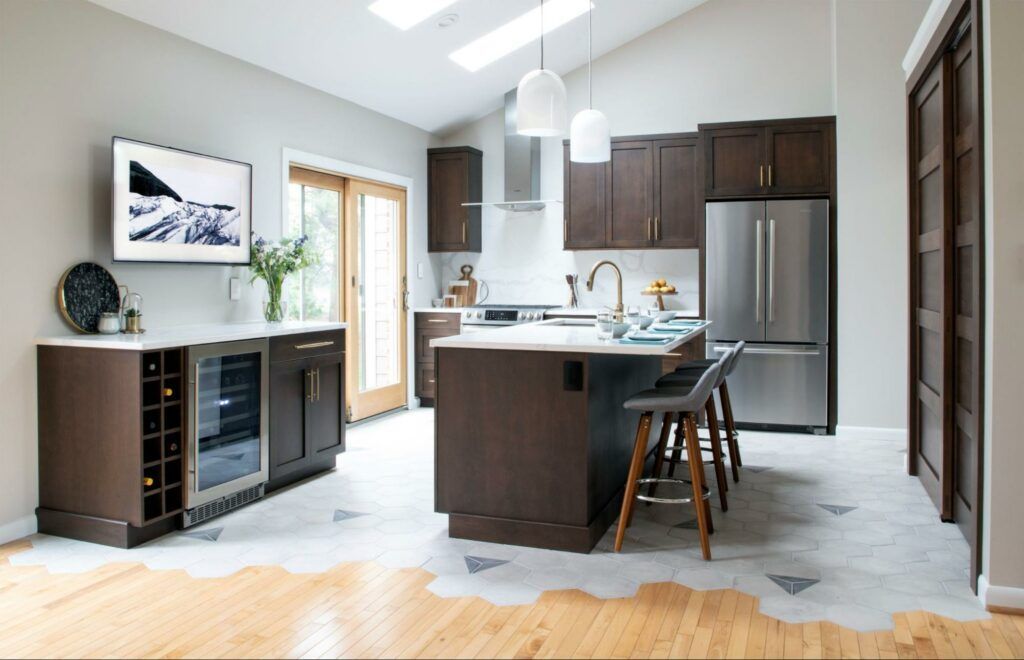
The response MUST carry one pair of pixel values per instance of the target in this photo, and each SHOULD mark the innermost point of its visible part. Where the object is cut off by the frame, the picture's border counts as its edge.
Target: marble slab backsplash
(523, 262)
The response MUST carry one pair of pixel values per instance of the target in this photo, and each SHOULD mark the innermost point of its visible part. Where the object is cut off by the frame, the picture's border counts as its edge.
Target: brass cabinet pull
(309, 395)
(657, 228)
(317, 372)
(761, 175)
(565, 230)
(770, 184)
(431, 380)
(437, 320)
(648, 229)
(463, 231)
(315, 344)
(168, 391)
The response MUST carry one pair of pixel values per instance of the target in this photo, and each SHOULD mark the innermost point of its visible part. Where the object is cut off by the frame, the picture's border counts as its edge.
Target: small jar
(109, 323)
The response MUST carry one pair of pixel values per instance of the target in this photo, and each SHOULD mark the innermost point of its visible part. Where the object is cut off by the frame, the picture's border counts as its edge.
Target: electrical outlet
(235, 289)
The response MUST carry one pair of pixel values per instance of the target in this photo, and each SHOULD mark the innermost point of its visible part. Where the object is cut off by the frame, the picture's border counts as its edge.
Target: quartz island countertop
(189, 335)
(563, 336)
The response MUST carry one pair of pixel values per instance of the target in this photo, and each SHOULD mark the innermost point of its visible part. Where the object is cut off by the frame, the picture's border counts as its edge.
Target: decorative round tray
(85, 291)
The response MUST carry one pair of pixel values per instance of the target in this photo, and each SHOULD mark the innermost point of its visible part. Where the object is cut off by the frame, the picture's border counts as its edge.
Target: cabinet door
(326, 429)
(678, 207)
(799, 159)
(735, 161)
(289, 389)
(449, 188)
(630, 193)
(584, 198)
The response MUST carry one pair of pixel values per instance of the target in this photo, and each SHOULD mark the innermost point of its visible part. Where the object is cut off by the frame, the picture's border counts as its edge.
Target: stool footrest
(704, 494)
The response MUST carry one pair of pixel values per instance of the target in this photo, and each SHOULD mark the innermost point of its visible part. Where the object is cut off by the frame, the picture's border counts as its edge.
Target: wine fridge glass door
(228, 450)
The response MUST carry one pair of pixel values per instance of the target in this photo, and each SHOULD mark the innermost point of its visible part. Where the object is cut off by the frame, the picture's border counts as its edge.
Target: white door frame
(343, 168)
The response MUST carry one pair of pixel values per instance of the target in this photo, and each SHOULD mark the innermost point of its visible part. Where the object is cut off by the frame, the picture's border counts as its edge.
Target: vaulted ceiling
(342, 48)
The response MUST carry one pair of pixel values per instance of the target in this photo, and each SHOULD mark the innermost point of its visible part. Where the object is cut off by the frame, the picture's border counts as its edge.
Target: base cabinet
(431, 325)
(307, 407)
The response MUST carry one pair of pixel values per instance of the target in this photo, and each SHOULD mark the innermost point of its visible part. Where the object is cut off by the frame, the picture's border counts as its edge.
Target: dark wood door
(326, 427)
(678, 199)
(584, 199)
(799, 159)
(289, 391)
(930, 290)
(448, 220)
(735, 161)
(967, 262)
(629, 195)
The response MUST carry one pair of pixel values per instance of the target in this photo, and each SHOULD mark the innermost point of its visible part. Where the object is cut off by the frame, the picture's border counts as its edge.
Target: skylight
(517, 33)
(404, 14)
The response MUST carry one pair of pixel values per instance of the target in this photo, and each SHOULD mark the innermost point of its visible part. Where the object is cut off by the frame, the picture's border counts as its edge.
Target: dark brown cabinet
(649, 195)
(307, 405)
(767, 158)
(431, 325)
(455, 177)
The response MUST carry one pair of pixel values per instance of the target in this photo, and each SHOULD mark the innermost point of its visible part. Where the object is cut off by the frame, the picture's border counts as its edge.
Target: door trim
(351, 170)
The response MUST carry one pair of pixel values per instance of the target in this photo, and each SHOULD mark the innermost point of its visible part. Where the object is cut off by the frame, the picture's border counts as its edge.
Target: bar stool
(674, 453)
(686, 401)
(690, 373)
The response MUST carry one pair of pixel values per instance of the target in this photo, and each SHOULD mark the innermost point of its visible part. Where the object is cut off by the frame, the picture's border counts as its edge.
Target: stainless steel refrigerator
(767, 283)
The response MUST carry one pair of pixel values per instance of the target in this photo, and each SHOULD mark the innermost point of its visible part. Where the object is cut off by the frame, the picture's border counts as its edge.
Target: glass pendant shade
(540, 104)
(590, 140)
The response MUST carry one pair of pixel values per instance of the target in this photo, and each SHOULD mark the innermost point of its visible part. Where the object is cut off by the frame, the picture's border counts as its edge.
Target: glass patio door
(376, 299)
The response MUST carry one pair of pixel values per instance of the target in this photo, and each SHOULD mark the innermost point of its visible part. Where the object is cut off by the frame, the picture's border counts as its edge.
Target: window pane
(378, 292)
(312, 294)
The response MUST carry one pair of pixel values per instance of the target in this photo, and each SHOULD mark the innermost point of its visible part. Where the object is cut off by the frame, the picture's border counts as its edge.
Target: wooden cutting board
(467, 276)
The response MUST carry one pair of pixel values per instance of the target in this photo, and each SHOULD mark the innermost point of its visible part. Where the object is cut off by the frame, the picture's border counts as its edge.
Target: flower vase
(274, 306)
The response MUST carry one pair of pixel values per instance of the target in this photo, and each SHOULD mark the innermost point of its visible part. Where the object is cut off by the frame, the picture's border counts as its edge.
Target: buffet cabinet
(115, 460)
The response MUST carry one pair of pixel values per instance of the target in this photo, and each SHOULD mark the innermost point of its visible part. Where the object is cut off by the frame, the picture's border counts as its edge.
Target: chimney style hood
(522, 167)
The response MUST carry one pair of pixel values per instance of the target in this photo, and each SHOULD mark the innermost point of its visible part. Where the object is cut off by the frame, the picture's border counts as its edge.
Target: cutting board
(470, 292)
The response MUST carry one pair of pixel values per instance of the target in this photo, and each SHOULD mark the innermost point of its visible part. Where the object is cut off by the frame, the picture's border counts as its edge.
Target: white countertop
(561, 335)
(591, 312)
(438, 310)
(189, 335)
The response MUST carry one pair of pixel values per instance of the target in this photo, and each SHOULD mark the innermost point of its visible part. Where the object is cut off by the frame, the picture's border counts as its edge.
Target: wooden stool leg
(636, 466)
(678, 453)
(659, 457)
(730, 429)
(716, 452)
(697, 479)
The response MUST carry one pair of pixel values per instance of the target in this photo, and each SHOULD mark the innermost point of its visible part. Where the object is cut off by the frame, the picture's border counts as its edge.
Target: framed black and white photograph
(177, 206)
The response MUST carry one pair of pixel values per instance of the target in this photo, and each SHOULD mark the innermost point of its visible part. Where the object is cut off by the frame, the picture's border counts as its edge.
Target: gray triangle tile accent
(477, 564)
(211, 534)
(341, 514)
(757, 468)
(837, 509)
(792, 585)
(688, 524)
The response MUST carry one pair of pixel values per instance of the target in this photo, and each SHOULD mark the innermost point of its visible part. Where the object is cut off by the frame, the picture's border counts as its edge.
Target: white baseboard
(18, 529)
(872, 432)
(993, 595)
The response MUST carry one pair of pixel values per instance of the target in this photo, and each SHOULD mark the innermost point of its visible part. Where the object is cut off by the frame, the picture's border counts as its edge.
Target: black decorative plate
(85, 291)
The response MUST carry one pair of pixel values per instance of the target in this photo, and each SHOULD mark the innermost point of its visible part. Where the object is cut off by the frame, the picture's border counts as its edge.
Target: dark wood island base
(533, 447)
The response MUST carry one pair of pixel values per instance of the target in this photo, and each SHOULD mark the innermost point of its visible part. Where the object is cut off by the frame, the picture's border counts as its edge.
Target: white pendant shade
(590, 140)
(540, 104)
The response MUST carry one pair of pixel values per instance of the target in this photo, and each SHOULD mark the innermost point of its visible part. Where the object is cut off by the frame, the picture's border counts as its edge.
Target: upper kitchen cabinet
(454, 178)
(649, 195)
(768, 158)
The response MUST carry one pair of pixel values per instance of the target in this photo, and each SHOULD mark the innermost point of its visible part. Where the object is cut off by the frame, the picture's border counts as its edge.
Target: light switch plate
(419, 270)
(236, 289)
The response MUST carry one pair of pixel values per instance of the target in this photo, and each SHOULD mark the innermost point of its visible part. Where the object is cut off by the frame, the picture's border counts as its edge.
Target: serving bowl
(663, 316)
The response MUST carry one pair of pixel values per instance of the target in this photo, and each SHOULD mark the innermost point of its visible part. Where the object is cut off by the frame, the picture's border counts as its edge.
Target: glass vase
(274, 306)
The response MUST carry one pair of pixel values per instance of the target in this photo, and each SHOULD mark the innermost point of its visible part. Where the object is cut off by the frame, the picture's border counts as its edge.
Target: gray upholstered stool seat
(669, 401)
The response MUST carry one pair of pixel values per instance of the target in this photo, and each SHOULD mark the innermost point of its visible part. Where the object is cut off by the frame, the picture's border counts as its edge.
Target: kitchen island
(532, 444)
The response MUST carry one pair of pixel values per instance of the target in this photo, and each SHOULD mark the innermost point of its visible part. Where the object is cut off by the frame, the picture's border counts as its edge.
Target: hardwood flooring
(365, 610)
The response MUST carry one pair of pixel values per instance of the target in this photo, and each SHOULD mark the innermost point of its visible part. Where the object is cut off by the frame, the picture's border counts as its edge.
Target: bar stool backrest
(737, 351)
(701, 391)
(724, 365)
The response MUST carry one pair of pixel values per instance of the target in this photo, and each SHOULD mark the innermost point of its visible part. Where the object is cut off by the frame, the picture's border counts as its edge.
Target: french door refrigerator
(767, 284)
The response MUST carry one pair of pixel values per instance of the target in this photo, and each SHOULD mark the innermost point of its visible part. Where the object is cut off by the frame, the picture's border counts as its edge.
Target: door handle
(565, 230)
(772, 351)
(437, 320)
(193, 438)
(760, 175)
(309, 393)
(759, 269)
(657, 228)
(317, 372)
(770, 184)
(315, 344)
(771, 267)
(405, 293)
(463, 231)
(648, 229)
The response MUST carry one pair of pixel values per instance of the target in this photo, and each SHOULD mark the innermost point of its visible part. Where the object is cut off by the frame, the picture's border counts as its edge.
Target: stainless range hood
(522, 167)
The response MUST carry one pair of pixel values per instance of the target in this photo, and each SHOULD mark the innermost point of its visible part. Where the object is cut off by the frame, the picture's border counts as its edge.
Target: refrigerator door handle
(759, 269)
(806, 352)
(771, 271)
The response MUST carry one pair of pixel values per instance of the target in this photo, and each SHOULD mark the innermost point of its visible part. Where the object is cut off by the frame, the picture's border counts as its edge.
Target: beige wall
(71, 76)
(1003, 546)
(725, 60)
(871, 137)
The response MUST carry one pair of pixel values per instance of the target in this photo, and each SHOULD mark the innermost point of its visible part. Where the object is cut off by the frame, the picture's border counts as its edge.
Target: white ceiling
(342, 48)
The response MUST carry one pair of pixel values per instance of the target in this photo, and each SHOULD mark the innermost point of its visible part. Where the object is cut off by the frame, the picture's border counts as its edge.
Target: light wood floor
(365, 610)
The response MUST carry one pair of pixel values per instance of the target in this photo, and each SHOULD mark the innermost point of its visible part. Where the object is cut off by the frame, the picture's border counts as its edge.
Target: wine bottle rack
(162, 434)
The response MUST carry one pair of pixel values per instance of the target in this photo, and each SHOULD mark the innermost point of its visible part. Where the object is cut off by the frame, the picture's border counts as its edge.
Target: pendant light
(590, 140)
(540, 99)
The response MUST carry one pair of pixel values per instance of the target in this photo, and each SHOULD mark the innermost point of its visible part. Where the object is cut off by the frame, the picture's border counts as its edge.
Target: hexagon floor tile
(817, 528)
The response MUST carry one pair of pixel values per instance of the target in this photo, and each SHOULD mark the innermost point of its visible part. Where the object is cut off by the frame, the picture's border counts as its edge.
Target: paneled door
(375, 276)
(629, 193)
(930, 341)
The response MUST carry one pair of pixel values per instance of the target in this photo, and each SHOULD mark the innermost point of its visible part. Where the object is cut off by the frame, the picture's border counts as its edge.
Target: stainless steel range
(491, 317)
